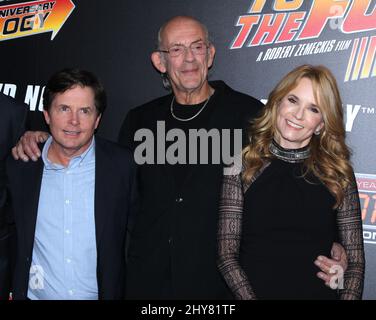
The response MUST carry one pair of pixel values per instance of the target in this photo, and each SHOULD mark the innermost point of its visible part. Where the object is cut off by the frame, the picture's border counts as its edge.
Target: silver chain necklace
(191, 118)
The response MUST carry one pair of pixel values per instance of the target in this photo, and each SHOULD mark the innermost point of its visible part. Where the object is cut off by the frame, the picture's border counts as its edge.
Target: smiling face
(72, 118)
(187, 72)
(298, 117)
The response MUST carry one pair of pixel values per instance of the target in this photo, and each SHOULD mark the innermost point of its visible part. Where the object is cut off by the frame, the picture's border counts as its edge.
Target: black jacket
(173, 246)
(12, 118)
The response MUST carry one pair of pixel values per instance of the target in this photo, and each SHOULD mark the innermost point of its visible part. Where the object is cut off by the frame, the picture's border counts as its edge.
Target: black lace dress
(272, 230)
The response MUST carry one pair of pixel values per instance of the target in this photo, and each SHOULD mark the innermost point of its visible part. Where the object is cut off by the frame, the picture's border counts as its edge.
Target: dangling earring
(317, 132)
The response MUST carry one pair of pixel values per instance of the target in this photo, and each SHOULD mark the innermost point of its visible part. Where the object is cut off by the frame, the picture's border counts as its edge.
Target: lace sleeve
(349, 224)
(229, 237)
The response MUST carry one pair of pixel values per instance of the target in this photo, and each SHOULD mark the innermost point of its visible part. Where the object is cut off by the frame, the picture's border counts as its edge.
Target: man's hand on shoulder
(27, 147)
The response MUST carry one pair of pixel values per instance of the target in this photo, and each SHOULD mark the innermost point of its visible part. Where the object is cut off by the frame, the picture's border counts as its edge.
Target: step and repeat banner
(257, 42)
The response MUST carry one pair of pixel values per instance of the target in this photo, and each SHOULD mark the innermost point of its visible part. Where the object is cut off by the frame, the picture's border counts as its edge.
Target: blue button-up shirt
(64, 261)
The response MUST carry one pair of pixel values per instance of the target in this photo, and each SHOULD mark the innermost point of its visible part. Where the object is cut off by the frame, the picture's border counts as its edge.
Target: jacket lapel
(162, 112)
(102, 190)
(31, 190)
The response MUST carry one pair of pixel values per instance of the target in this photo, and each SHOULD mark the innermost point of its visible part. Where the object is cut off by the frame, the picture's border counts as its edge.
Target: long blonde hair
(329, 159)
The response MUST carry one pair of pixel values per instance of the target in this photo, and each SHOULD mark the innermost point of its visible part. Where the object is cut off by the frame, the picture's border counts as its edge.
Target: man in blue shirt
(71, 206)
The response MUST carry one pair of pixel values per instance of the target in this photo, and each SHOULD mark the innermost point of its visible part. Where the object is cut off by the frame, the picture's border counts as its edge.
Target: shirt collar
(87, 155)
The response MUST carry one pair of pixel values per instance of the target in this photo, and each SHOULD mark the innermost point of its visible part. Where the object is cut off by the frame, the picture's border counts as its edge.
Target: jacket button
(178, 200)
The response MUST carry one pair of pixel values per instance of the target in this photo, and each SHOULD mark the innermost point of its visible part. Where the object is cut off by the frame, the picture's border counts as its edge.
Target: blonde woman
(296, 194)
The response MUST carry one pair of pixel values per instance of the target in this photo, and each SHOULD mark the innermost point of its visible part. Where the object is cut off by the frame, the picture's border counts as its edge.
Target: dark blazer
(173, 246)
(114, 199)
(12, 118)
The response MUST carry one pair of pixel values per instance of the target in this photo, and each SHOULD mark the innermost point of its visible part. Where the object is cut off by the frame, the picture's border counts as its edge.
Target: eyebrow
(62, 105)
(180, 44)
(80, 108)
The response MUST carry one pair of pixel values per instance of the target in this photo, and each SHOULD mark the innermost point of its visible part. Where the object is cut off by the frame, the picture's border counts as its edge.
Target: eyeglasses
(197, 48)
